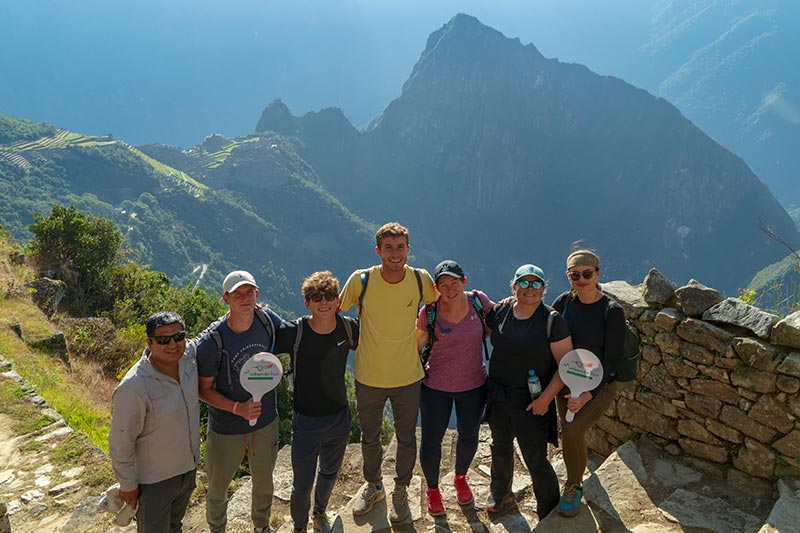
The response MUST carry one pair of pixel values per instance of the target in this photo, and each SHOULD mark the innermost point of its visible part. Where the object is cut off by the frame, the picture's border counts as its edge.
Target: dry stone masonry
(718, 380)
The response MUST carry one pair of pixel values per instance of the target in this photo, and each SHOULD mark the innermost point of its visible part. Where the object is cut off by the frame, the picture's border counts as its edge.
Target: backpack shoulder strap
(222, 355)
(419, 285)
(347, 322)
(266, 321)
(550, 315)
(478, 305)
(364, 281)
(430, 322)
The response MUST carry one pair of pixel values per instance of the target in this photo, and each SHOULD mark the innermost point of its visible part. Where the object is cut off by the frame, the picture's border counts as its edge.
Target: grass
(84, 404)
(11, 403)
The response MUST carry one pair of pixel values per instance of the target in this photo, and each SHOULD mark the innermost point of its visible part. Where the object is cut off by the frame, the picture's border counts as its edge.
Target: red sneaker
(435, 506)
(463, 492)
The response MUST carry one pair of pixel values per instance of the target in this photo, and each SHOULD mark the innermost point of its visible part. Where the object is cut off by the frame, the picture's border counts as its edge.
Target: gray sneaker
(370, 495)
(321, 523)
(400, 511)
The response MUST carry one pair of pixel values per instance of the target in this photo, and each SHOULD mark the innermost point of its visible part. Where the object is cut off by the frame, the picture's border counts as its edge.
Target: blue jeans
(323, 437)
(435, 409)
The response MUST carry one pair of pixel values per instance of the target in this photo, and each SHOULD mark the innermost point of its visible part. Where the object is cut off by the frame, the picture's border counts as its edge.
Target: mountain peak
(276, 117)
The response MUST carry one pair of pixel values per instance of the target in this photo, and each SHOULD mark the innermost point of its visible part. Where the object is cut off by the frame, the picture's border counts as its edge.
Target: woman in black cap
(528, 338)
(597, 324)
(453, 330)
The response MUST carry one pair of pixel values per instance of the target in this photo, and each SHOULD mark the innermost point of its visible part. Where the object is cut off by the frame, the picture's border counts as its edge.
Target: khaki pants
(370, 402)
(224, 454)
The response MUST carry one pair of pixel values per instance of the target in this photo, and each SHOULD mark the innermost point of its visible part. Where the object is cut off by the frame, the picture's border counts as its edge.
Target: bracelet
(235, 405)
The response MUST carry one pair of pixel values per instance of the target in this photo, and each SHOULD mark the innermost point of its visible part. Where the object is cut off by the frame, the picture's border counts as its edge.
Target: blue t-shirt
(240, 347)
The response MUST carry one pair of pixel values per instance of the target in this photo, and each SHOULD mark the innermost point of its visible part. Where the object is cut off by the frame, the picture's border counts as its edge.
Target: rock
(695, 431)
(737, 313)
(790, 365)
(691, 510)
(785, 515)
(787, 331)
(37, 509)
(696, 354)
(47, 294)
(657, 289)
(677, 368)
(63, 487)
(789, 445)
(614, 427)
(58, 432)
(787, 384)
(755, 487)
(755, 459)
(651, 354)
(3, 508)
(667, 319)
(54, 344)
(44, 469)
(754, 380)
(703, 405)
(72, 472)
(657, 403)
(6, 476)
(756, 353)
(736, 419)
(628, 296)
(709, 452)
(715, 389)
(707, 335)
(31, 496)
(668, 343)
(722, 431)
(86, 516)
(282, 475)
(658, 380)
(42, 481)
(695, 298)
(637, 415)
(16, 327)
(772, 414)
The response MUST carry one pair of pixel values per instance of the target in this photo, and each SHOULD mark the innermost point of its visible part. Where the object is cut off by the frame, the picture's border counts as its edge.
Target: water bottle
(534, 385)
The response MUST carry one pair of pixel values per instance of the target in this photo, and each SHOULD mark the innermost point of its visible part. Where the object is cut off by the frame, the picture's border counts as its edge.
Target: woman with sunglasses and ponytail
(529, 339)
(597, 324)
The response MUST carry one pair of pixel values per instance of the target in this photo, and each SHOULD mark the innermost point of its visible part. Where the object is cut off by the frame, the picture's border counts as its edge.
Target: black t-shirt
(522, 345)
(319, 366)
(598, 327)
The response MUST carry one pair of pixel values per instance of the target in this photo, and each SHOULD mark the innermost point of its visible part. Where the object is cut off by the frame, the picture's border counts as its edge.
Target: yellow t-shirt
(387, 353)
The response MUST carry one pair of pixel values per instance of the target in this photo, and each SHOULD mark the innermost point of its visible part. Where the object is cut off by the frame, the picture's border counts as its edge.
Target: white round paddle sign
(581, 371)
(260, 374)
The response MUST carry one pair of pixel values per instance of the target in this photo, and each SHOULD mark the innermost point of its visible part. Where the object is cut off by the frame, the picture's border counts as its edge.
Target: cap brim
(452, 274)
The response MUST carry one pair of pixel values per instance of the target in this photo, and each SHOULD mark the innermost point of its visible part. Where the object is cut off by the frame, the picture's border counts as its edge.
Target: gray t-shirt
(240, 347)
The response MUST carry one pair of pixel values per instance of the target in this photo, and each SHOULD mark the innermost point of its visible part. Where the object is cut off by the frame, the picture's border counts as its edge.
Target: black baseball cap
(448, 268)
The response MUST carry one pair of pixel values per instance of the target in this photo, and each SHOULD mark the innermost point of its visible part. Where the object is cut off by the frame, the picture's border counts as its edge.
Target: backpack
(430, 321)
(631, 350)
(348, 328)
(222, 353)
(365, 280)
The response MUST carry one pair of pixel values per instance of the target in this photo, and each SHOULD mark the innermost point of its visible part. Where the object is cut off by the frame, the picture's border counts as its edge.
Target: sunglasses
(575, 275)
(164, 339)
(525, 283)
(318, 296)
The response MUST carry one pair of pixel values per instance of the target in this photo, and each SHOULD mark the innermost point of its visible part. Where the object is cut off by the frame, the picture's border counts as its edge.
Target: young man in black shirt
(321, 418)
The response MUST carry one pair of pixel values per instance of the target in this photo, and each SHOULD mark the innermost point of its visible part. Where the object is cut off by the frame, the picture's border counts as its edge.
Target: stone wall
(718, 379)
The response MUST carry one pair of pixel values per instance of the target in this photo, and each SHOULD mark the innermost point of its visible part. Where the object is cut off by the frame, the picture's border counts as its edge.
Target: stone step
(785, 515)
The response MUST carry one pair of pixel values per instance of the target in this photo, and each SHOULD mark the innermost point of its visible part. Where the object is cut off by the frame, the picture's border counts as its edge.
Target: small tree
(81, 250)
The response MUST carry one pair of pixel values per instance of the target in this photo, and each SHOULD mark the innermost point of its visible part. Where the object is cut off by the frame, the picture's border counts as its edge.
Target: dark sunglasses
(318, 296)
(525, 283)
(575, 275)
(164, 339)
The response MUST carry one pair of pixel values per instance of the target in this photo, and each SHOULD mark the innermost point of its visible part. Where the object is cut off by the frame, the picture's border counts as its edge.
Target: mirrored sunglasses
(164, 339)
(525, 283)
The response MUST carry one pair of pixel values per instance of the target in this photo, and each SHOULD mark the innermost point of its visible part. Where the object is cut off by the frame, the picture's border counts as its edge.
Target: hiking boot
(321, 522)
(400, 510)
(370, 495)
(435, 506)
(495, 505)
(571, 500)
(463, 492)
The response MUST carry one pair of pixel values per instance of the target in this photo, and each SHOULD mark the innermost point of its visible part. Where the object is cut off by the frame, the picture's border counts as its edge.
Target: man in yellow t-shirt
(387, 364)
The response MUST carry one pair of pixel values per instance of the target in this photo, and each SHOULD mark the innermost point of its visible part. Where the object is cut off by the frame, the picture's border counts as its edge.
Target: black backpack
(628, 363)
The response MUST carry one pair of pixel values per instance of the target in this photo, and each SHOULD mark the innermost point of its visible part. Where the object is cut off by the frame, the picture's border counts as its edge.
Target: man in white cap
(221, 352)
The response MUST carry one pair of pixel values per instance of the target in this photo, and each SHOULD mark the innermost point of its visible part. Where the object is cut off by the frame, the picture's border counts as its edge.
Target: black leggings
(435, 409)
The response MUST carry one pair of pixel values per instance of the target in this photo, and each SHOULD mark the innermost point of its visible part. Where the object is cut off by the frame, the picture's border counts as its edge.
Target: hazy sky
(173, 71)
